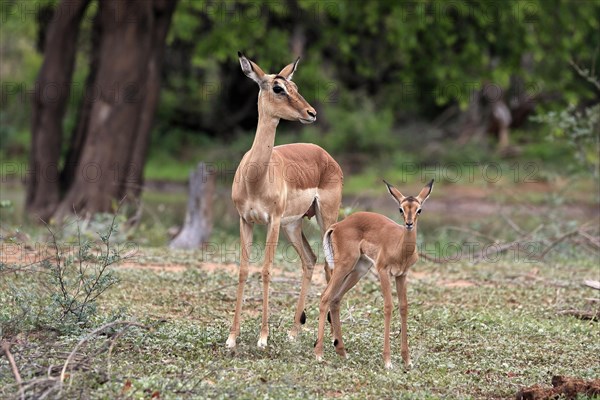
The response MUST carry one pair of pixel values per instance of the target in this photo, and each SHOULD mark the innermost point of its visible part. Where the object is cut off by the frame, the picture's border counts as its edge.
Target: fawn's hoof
(262, 343)
(230, 342)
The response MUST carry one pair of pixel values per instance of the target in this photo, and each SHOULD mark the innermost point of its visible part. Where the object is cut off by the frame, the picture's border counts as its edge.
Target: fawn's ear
(288, 71)
(425, 192)
(251, 70)
(395, 193)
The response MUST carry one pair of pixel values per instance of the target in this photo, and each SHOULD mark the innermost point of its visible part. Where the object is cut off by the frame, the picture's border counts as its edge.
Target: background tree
(108, 146)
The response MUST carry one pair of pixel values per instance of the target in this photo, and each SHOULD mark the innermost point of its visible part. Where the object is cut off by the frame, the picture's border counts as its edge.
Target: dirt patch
(567, 387)
(155, 267)
(25, 255)
(459, 283)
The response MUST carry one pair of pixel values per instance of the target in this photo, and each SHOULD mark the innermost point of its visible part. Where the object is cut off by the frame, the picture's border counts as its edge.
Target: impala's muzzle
(310, 117)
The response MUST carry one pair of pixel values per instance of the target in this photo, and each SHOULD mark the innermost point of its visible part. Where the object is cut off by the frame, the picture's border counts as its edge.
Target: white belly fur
(298, 202)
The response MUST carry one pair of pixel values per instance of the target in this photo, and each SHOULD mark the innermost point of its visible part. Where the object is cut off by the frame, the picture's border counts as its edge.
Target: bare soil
(23, 255)
(563, 387)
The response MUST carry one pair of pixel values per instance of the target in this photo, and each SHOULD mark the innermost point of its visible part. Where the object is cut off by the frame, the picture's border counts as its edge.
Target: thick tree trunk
(80, 130)
(163, 11)
(199, 216)
(49, 104)
(114, 128)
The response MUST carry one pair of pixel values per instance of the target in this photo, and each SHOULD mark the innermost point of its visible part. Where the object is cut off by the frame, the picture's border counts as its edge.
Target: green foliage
(580, 130)
(370, 67)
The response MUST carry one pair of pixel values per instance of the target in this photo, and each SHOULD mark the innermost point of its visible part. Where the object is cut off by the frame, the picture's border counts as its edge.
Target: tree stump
(199, 215)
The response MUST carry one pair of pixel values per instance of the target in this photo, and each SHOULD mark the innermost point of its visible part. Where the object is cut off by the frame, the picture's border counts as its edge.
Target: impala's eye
(278, 89)
(418, 211)
(401, 211)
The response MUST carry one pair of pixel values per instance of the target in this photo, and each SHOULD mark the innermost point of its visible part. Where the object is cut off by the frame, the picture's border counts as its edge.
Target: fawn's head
(279, 96)
(409, 206)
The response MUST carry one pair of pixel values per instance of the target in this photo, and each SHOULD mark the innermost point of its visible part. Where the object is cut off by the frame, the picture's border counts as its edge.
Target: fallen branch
(585, 315)
(501, 248)
(592, 284)
(592, 240)
(91, 335)
(13, 367)
(558, 241)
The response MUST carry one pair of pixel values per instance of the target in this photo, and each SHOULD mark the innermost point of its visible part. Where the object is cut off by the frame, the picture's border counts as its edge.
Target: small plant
(61, 291)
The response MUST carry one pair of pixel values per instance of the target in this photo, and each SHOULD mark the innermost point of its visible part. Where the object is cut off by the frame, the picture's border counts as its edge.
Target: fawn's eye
(401, 211)
(278, 89)
(418, 211)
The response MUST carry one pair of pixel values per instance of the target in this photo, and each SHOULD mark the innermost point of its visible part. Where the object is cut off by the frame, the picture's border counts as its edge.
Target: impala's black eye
(418, 211)
(401, 211)
(278, 89)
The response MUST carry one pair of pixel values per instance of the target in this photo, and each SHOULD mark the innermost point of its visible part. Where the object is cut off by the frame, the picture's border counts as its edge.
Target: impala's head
(279, 96)
(409, 206)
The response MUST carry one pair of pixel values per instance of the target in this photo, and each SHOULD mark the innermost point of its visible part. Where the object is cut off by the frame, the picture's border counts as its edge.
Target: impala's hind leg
(343, 274)
(360, 269)
(327, 211)
(294, 234)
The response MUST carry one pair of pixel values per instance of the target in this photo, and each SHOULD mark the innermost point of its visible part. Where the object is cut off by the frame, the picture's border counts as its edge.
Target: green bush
(60, 291)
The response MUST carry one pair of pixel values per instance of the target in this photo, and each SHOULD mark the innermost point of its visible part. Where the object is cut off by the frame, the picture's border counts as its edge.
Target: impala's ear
(251, 70)
(288, 71)
(425, 192)
(395, 193)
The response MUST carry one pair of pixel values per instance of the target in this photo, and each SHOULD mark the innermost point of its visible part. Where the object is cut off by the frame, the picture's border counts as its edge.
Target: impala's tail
(328, 248)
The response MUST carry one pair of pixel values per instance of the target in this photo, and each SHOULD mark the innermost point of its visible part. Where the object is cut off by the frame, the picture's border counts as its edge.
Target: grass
(482, 341)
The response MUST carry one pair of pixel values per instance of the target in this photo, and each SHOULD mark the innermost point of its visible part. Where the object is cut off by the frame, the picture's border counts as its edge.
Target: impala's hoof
(388, 365)
(319, 358)
(262, 343)
(408, 366)
(230, 342)
(292, 335)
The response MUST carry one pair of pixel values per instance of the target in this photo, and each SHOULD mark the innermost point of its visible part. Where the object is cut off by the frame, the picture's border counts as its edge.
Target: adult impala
(360, 241)
(278, 186)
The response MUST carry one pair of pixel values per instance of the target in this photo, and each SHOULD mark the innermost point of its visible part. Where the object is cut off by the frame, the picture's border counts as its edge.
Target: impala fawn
(360, 241)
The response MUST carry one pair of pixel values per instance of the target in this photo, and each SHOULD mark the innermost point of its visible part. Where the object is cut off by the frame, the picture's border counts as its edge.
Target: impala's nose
(409, 225)
(312, 112)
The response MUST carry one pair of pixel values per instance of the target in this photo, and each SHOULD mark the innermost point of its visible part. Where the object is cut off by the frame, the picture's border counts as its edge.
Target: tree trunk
(198, 218)
(49, 105)
(163, 11)
(109, 144)
(80, 130)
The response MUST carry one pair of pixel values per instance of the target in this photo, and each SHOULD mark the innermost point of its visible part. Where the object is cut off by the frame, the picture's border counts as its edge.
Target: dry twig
(13, 367)
(91, 335)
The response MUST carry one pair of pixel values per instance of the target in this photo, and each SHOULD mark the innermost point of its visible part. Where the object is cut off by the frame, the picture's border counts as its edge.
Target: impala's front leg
(403, 301)
(245, 244)
(388, 306)
(270, 248)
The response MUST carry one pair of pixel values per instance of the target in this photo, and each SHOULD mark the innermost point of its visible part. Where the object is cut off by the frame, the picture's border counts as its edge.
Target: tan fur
(354, 245)
(277, 186)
